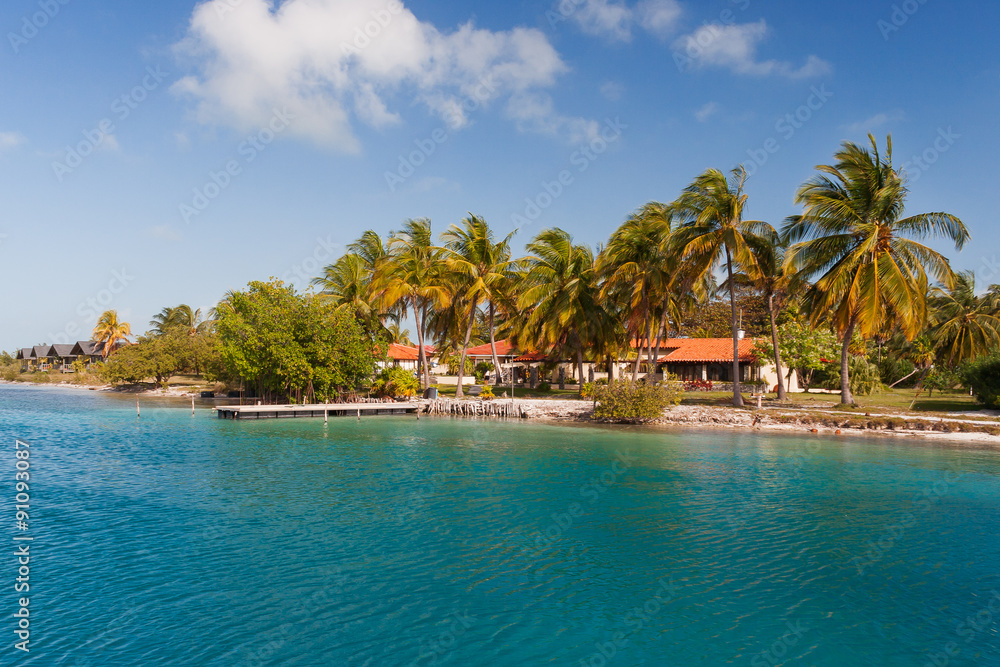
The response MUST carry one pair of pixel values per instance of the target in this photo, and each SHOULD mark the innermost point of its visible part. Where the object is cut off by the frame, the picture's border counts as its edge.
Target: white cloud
(333, 62)
(876, 121)
(706, 112)
(604, 18)
(10, 140)
(615, 19)
(735, 47)
(612, 90)
(659, 16)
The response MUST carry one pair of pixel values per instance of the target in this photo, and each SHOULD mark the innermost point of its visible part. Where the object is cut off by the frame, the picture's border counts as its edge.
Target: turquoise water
(179, 540)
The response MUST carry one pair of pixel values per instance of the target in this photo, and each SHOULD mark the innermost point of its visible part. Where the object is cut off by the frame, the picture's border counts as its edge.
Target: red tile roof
(406, 352)
(504, 349)
(705, 350)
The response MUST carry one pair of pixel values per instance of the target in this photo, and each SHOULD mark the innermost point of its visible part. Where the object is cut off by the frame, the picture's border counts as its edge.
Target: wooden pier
(324, 410)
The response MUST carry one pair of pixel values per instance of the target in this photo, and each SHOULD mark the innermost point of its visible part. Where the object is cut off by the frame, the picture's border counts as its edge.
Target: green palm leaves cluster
(851, 262)
(871, 271)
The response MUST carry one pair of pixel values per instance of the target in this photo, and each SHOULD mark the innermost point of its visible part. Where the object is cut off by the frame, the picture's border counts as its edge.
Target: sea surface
(180, 539)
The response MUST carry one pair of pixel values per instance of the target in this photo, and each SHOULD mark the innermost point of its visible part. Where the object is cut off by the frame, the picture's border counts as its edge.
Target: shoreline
(775, 419)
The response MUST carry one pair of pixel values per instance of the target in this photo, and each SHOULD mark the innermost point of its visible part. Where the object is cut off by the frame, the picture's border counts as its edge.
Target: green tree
(110, 332)
(853, 235)
(964, 326)
(288, 344)
(413, 277)
(480, 265)
(712, 229)
(560, 297)
(637, 270)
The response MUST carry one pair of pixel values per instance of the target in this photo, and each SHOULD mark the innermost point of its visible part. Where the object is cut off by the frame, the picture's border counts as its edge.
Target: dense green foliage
(396, 382)
(635, 402)
(282, 344)
(983, 376)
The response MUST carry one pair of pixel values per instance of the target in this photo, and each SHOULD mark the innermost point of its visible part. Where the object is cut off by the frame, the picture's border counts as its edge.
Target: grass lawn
(892, 400)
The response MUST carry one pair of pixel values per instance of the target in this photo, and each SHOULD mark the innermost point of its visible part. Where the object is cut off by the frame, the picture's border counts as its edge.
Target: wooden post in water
(192, 406)
(137, 408)
(359, 414)
(326, 416)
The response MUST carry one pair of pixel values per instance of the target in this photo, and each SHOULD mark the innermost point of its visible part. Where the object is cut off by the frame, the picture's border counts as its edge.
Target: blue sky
(161, 153)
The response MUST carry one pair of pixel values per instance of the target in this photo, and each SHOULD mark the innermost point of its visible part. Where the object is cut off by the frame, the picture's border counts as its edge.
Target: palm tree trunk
(845, 358)
(579, 359)
(659, 335)
(425, 376)
(465, 349)
(777, 350)
(737, 396)
(493, 349)
(645, 325)
(649, 341)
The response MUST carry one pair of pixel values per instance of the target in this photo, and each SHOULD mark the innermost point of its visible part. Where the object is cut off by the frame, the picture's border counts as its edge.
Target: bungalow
(707, 359)
(40, 357)
(88, 351)
(406, 356)
(24, 356)
(62, 357)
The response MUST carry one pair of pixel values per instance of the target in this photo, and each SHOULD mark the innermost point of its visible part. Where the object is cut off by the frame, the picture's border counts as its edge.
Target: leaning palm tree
(110, 332)
(347, 285)
(412, 276)
(852, 233)
(479, 265)
(777, 286)
(964, 325)
(636, 271)
(710, 212)
(560, 297)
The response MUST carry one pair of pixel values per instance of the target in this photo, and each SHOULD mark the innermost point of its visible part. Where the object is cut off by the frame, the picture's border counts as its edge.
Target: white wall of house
(768, 373)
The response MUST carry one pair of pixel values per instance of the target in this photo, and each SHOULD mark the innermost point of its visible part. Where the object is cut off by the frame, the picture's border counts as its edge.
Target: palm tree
(412, 276)
(348, 282)
(776, 285)
(964, 325)
(479, 265)
(710, 212)
(852, 234)
(399, 335)
(180, 317)
(637, 271)
(110, 332)
(560, 296)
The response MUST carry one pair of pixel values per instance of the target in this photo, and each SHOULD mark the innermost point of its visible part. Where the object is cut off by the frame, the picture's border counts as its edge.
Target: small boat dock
(324, 410)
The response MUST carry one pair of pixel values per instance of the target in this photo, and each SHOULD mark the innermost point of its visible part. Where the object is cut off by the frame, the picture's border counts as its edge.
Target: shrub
(544, 387)
(698, 385)
(635, 403)
(983, 376)
(10, 372)
(587, 390)
(395, 381)
(487, 392)
(481, 369)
